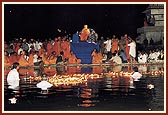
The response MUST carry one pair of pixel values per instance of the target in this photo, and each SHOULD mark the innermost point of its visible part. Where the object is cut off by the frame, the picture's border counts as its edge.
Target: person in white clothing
(13, 76)
(44, 84)
(108, 48)
(136, 75)
(20, 50)
(156, 55)
(150, 57)
(116, 59)
(132, 51)
(142, 58)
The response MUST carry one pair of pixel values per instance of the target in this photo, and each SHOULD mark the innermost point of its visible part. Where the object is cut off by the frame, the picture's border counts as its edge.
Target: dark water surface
(111, 91)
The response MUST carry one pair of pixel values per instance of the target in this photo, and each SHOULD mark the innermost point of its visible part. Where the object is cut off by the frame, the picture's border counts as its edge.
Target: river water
(95, 88)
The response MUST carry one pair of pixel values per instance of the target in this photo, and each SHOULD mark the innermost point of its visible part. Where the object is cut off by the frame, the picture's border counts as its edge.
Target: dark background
(40, 21)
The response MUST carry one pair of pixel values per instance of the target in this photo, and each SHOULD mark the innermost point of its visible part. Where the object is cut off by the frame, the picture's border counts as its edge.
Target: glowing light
(13, 100)
(58, 30)
(150, 86)
(86, 105)
(75, 79)
(87, 101)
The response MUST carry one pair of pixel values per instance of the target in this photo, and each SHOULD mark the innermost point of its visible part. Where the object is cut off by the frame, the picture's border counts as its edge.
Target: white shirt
(108, 45)
(44, 85)
(36, 46)
(20, 49)
(35, 58)
(156, 55)
(142, 58)
(116, 59)
(13, 79)
(136, 76)
(132, 50)
(150, 56)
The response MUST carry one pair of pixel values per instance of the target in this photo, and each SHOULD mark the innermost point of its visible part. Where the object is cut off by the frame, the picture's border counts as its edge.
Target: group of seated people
(31, 52)
(152, 56)
(33, 58)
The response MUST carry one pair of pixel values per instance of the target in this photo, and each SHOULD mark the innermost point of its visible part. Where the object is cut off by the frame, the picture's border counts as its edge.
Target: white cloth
(136, 76)
(142, 58)
(142, 68)
(132, 50)
(35, 58)
(116, 59)
(150, 56)
(20, 50)
(156, 55)
(108, 45)
(37, 46)
(13, 79)
(44, 85)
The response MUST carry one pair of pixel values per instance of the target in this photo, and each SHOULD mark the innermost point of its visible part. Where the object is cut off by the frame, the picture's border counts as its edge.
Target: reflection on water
(88, 88)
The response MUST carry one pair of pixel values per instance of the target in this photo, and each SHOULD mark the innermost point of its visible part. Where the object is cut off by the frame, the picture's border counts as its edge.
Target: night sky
(43, 20)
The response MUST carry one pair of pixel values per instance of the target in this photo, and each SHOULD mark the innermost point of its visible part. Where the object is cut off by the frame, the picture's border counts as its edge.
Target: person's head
(56, 39)
(125, 35)
(113, 54)
(23, 52)
(6, 53)
(135, 69)
(24, 40)
(122, 50)
(53, 53)
(142, 52)
(71, 52)
(44, 77)
(62, 53)
(36, 52)
(15, 65)
(95, 50)
(115, 51)
(85, 26)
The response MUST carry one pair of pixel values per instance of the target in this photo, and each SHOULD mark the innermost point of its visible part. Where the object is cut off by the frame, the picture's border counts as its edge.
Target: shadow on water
(110, 91)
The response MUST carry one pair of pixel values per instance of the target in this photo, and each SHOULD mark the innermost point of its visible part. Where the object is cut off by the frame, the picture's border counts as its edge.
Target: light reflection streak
(75, 79)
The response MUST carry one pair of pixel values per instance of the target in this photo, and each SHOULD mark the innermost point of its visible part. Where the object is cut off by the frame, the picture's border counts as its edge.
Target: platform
(83, 51)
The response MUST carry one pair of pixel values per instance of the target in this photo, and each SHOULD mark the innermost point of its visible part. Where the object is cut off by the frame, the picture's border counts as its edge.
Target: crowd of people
(29, 52)
(32, 52)
(152, 56)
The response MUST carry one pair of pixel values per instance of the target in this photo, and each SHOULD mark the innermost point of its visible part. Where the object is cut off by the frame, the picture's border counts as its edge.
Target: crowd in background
(29, 52)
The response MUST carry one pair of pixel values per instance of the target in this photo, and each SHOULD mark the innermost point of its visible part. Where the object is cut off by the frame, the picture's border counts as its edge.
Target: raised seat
(83, 51)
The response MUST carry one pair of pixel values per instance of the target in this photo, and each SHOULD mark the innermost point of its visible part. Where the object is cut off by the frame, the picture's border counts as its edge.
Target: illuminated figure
(85, 33)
